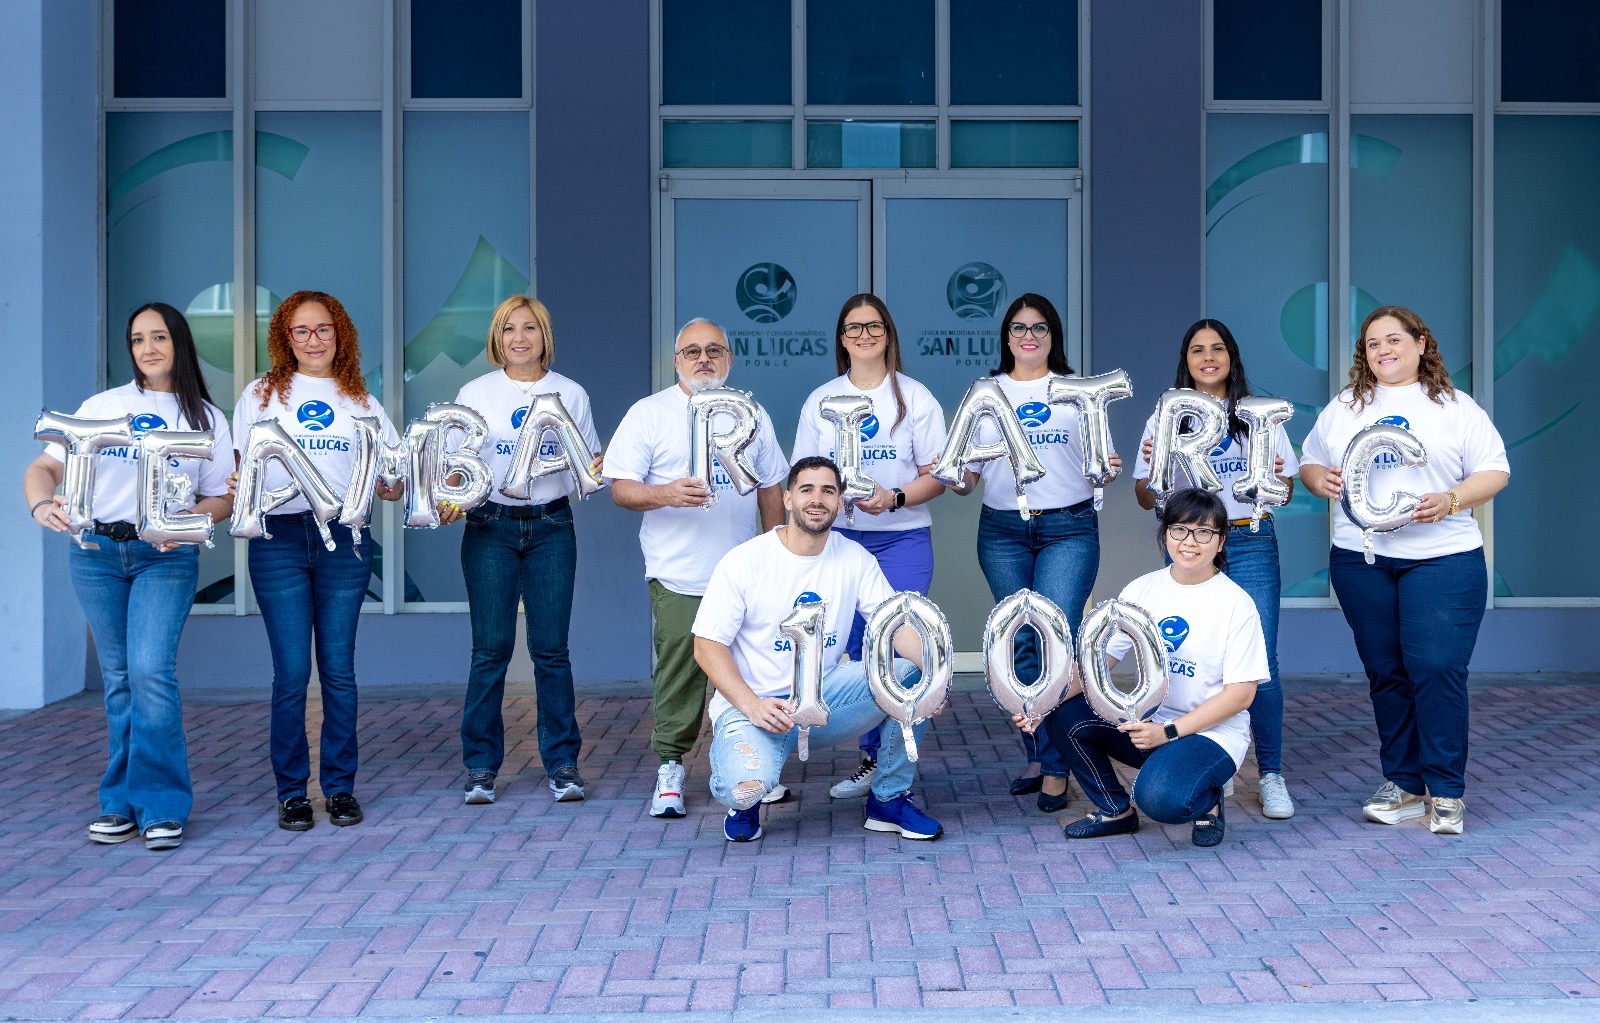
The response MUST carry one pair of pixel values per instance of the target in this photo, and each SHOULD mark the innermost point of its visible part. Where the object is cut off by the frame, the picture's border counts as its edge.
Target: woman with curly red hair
(308, 593)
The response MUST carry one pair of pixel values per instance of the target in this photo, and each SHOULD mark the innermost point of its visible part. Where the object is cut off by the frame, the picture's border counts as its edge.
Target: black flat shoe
(1100, 825)
(1053, 804)
(1027, 786)
(1208, 830)
(295, 814)
(343, 810)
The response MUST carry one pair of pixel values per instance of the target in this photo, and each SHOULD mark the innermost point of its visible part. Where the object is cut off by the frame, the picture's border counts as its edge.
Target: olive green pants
(680, 685)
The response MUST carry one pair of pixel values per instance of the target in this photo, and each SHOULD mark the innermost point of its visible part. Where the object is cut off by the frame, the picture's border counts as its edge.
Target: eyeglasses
(302, 335)
(693, 352)
(1202, 534)
(877, 328)
(1038, 330)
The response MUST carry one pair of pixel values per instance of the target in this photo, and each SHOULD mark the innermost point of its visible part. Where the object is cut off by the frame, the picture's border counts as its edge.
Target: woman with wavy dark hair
(137, 596)
(899, 444)
(309, 594)
(1416, 609)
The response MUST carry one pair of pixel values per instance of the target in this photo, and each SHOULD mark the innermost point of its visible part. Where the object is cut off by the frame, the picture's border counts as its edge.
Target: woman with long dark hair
(1209, 361)
(135, 595)
(899, 444)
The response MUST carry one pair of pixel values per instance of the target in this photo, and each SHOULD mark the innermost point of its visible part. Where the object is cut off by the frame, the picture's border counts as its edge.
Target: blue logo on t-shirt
(807, 598)
(518, 416)
(315, 416)
(143, 424)
(1222, 449)
(1174, 631)
(1399, 421)
(869, 428)
(1033, 413)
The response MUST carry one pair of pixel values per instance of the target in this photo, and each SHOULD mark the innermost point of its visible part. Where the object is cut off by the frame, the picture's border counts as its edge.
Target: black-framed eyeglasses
(694, 352)
(1202, 534)
(876, 328)
(1020, 330)
(302, 335)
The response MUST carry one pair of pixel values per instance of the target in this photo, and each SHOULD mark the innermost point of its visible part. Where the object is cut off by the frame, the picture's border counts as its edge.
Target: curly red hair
(346, 358)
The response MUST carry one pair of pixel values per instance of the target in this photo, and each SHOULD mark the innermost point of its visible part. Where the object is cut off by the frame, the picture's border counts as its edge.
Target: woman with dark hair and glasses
(899, 444)
(135, 595)
(1209, 361)
(1216, 655)
(1056, 550)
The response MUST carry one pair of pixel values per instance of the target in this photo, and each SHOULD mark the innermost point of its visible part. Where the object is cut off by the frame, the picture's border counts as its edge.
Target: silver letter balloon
(268, 441)
(157, 487)
(1207, 421)
(985, 400)
(908, 705)
(804, 628)
(1149, 659)
(547, 413)
(1261, 484)
(730, 446)
(1090, 396)
(1356, 498)
(374, 462)
(847, 413)
(83, 440)
(1044, 694)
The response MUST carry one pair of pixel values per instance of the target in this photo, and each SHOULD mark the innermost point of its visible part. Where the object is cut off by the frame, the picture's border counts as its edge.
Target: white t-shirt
(1053, 432)
(116, 475)
(682, 545)
(1460, 440)
(756, 586)
(889, 454)
(503, 404)
(1214, 639)
(319, 419)
(1229, 460)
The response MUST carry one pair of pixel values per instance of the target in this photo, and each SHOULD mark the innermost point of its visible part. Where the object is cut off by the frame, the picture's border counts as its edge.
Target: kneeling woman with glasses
(1216, 656)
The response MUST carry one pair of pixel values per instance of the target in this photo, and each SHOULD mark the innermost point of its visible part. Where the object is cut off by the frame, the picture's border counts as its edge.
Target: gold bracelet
(1455, 502)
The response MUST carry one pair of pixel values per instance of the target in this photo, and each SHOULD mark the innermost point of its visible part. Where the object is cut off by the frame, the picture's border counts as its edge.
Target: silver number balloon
(731, 447)
(83, 440)
(1149, 655)
(463, 461)
(1044, 694)
(157, 486)
(985, 400)
(909, 705)
(547, 413)
(267, 441)
(847, 413)
(1091, 395)
(1173, 451)
(1261, 484)
(1356, 498)
(808, 710)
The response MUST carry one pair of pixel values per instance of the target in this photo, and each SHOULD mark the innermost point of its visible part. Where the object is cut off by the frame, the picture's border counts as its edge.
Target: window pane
(1546, 351)
(466, 248)
(1267, 279)
(1550, 51)
(346, 50)
(1014, 51)
(697, 37)
(727, 144)
(466, 50)
(1266, 49)
(169, 238)
(170, 49)
(870, 143)
(1013, 143)
(880, 53)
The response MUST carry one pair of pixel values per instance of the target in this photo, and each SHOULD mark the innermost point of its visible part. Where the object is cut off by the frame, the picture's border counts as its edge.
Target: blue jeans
(1415, 623)
(1056, 556)
(1253, 564)
(1178, 781)
(906, 557)
(746, 760)
(137, 601)
(534, 559)
(308, 594)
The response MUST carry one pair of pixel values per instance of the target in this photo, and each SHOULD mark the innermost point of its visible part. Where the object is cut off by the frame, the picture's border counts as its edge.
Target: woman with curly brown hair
(1415, 611)
(308, 593)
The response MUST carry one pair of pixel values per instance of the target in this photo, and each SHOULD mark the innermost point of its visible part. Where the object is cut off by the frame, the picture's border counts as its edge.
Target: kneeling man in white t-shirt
(742, 649)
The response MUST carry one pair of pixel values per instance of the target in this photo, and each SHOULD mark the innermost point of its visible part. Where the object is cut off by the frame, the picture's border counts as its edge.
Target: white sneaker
(858, 784)
(1275, 801)
(779, 794)
(1227, 787)
(668, 799)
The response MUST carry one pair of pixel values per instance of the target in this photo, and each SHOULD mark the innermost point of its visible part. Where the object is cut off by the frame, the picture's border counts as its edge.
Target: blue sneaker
(742, 825)
(900, 815)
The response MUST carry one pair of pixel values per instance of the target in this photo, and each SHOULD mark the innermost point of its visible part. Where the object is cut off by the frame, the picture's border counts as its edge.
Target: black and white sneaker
(566, 785)
(163, 835)
(111, 828)
(480, 788)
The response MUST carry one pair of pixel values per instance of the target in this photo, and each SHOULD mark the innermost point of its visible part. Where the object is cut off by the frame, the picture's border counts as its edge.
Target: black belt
(121, 532)
(533, 511)
(1081, 506)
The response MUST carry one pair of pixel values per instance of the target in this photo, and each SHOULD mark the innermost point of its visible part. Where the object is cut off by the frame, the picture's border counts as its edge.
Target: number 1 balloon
(985, 400)
(804, 628)
(1149, 659)
(1041, 696)
(731, 447)
(1091, 395)
(1261, 483)
(1207, 421)
(157, 486)
(1356, 498)
(547, 414)
(83, 440)
(847, 413)
(268, 441)
(914, 704)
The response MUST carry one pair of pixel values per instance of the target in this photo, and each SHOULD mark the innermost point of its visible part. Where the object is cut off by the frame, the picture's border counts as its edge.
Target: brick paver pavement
(434, 908)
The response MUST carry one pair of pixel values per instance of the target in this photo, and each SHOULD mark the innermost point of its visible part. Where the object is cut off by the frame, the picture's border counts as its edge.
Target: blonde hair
(495, 349)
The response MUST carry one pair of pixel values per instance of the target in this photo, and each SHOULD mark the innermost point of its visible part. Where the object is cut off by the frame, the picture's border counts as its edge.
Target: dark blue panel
(1267, 49)
(1550, 51)
(1017, 52)
(725, 51)
(170, 49)
(466, 50)
(879, 52)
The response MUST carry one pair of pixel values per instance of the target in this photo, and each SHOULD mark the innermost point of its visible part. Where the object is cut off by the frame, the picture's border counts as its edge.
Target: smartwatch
(899, 498)
(1172, 731)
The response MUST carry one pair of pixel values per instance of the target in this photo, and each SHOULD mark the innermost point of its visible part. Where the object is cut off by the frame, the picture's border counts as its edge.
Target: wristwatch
(1172, 731)
(1455, 502)
(899, 498)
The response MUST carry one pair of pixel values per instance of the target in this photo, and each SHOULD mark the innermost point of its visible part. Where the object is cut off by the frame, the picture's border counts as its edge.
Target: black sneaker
(480, 787)
(111, 828)
(566, 785)
(343, 810)
(163, 835)
(295, 814)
